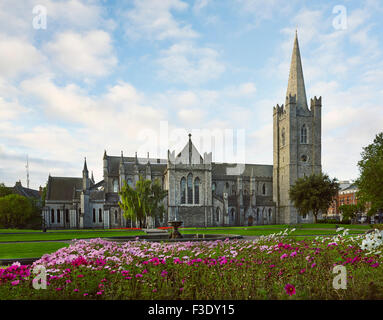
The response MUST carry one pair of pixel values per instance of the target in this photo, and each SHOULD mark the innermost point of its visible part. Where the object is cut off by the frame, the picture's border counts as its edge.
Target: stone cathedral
(201, 192)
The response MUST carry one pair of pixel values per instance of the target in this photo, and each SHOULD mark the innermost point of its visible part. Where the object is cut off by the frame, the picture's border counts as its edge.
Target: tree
(349, 211)
(4, 191)
(143, 201)
(313, 194)
(17, 211)
(370, 181)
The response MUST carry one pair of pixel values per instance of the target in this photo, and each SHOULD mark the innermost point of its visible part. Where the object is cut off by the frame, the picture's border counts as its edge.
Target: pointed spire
(104, 154)
(296, 84)
(92, 177)
(85, 166)
(136, 159)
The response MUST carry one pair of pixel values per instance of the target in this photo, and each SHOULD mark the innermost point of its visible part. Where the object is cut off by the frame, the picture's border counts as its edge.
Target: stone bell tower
(296, 141)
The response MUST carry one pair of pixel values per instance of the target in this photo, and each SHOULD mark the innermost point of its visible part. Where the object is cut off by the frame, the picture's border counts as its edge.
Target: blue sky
(108, 74)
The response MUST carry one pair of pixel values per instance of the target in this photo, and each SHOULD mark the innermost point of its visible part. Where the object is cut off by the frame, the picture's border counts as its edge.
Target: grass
(28, 250)
(258, 232)
(69, 235)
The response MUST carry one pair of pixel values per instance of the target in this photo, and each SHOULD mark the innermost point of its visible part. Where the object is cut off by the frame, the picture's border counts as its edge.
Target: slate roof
(62, 188)
(259, 170)
(26, 192)
(156, 165)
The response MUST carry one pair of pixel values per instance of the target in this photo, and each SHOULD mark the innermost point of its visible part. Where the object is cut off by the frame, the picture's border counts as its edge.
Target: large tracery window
(196, 190)
(304, 134)
(190, 188)
(183, 191)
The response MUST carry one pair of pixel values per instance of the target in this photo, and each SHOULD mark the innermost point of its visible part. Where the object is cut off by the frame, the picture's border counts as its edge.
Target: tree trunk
(315, 217)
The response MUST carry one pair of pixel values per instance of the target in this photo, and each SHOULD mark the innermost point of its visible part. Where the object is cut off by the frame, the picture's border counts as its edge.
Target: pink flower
(293, 254)
(139, 275)
(313, 265)
(75, 290)
(15, 283)
(374, 265)
(290, 289)
(99, 292)
(284, 256)
(80, 276)
(302, 271)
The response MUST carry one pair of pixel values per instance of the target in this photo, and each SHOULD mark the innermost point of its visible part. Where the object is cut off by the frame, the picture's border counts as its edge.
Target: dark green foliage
(333, 221)
(313, 194)
(370, 181)
(5, 191)
(18, 212)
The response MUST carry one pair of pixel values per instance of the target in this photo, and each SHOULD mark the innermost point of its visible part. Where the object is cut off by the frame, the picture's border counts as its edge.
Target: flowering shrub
(271, 267)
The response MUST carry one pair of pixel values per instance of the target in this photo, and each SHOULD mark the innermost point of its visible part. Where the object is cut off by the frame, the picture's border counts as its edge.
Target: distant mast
(27, 167)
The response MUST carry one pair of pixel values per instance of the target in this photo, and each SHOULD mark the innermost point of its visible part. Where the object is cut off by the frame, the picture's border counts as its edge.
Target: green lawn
(250, 231)
(49, 236)
(28, 250)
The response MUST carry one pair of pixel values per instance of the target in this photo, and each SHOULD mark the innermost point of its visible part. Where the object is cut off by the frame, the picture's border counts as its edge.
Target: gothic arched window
(213, 187)
(52, 216)
(130, 183)
(217, 213)
(269, 213)
(183, 190)
(196, 190)
(58, 216)
(304, 134)
(115, 216)
(263, 189)
(190, 188)
(99, 215)
(67, 215)
(115, 186)
(94, 215)
(283, 137)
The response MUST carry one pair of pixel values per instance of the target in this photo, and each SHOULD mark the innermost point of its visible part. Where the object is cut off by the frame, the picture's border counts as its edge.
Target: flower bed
(272, 267)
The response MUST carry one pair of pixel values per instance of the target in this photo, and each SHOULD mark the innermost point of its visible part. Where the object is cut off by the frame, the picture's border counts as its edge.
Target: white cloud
(152, 19)
(190, 64)
(88, 54)
(17, 57)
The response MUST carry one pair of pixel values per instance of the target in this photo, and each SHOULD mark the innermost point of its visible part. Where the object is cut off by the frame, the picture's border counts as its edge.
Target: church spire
(85, 169)
(296, 84)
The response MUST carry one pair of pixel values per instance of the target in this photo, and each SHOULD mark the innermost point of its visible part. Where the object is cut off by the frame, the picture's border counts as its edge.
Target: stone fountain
(175, 234)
